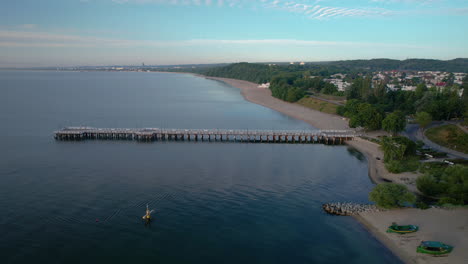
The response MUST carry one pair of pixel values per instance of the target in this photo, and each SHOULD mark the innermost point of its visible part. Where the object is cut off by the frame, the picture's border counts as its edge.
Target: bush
(340, 110)
(429, 185)
(391, 195)
(422, 205)
(449, 184)
(423, 119)
(447, 200)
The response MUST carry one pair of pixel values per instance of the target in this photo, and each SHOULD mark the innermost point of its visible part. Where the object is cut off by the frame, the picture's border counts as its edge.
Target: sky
(53, 33)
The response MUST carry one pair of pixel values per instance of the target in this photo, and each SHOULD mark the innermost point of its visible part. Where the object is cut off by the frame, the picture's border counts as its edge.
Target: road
(414, 133)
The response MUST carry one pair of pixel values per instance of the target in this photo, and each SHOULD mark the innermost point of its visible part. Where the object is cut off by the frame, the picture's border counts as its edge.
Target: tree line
(376, 108)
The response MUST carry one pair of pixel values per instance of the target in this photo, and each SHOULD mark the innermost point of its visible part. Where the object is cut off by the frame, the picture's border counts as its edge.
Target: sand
(444, 225)
(262, 96)
(448, 226)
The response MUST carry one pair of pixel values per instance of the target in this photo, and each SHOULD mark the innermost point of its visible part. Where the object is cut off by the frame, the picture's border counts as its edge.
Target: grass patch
(429, 167)
(449, 136)
(319, 105)
(341, 99)
(409, 164)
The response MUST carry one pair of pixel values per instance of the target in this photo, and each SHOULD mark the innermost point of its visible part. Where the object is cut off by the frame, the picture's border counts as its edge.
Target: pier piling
(158, 134)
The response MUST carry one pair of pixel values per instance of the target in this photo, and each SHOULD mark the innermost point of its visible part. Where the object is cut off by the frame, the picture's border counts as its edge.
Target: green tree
(391, 195)
(329, 88)
(351, 108)
(420, 90)
(449, 184)
(354, 92)
(294, 94)
(394, 122)
(365, 115)
(456, 178)
(380, 89)
(397, 148)
(464, 98)
(392, 149)
(429, 185)
(423, 119)
(465, 118)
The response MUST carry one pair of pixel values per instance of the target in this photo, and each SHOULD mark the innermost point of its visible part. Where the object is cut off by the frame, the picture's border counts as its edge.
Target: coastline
(451, 226)
(377, 171)
(320, 120)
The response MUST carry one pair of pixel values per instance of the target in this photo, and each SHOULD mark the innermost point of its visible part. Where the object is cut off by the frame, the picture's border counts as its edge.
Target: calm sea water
(82, 202)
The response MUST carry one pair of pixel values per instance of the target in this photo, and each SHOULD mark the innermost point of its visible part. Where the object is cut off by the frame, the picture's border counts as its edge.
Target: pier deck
(254, 136)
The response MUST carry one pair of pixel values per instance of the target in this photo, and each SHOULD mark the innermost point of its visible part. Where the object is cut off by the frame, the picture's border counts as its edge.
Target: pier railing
(255, 136)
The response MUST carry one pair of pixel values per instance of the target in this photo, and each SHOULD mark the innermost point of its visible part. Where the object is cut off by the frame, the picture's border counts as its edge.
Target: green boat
(434, 248)
(402, 229)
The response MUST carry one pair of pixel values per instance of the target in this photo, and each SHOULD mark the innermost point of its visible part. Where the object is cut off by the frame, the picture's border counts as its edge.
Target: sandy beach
(448, 226)
(445, 225)
(261, 96)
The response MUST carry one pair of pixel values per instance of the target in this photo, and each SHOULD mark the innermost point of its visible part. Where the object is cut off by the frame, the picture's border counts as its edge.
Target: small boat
(147, 216)
(402, 229)
(434, 248)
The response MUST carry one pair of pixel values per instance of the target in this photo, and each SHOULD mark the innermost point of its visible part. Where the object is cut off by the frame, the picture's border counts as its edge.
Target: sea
(214, 202)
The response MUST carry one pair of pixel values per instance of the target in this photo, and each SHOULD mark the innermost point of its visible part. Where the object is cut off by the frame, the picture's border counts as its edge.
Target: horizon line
(217, 63)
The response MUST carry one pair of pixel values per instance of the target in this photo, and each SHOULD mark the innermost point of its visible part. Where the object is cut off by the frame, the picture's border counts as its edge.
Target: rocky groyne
(349, 208)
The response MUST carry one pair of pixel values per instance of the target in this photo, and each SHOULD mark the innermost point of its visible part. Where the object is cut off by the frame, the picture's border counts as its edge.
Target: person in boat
(147, 216)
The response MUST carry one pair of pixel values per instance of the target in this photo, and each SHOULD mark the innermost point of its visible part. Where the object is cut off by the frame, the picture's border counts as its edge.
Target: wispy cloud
(21, 39)
(316, 9)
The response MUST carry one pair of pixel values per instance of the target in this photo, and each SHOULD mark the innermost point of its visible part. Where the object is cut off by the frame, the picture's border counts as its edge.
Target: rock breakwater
(349, 208)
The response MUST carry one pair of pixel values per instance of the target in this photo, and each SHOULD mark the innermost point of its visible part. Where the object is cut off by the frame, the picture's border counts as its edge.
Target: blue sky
(107, 32)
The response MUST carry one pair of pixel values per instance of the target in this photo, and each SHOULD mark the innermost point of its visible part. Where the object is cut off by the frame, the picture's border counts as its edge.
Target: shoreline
(376, 167)
(251, 92)
(376, 223)
(382, 239)
(449, 226)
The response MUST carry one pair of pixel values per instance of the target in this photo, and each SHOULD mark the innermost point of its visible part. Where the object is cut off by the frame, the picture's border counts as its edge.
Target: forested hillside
(455, 65)
(257, 73)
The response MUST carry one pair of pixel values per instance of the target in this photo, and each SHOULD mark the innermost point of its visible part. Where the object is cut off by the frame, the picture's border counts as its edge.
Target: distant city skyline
(129, 32)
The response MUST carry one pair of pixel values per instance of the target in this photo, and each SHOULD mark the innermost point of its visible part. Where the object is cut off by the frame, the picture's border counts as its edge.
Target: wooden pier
(333, 137)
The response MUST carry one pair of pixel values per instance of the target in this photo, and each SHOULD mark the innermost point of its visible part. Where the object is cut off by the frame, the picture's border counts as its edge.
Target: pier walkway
(254, 136)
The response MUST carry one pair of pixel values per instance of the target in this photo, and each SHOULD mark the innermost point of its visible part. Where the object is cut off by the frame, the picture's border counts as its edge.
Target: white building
(392, 87)
(408, 88)
(339, 83)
